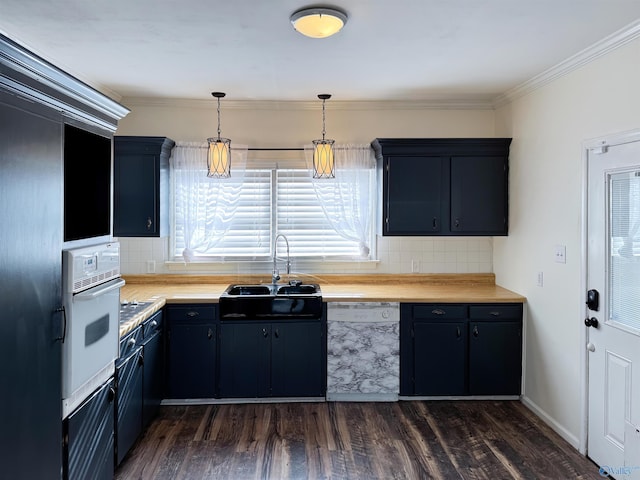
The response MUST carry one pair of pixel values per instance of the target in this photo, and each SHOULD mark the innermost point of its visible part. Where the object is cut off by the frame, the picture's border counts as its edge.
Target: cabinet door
(297, 359)
(192, 360)
(153, 375)
(244, 359)
(440, 357)
(128, 403)
(89, 441)
(479, 195)
(135, 196)
(415, 195)
(495, 357)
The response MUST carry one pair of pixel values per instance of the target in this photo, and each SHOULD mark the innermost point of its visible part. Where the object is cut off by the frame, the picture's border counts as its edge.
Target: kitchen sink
(269, 301)
(249, 290)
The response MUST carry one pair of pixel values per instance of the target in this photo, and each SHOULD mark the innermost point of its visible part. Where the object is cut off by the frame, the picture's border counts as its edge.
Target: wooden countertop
(428, 288)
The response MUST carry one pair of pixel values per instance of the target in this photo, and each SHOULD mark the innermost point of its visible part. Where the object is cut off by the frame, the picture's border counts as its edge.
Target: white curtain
(347, 200)
(206, 205)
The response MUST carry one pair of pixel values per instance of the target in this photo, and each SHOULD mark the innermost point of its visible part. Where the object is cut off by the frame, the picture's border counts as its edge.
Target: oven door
(92, 334)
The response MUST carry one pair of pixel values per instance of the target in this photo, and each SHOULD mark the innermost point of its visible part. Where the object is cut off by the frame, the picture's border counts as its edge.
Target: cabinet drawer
(130, 342)
(496, 311)
(191, 313)
(440, 311)
(152, 324)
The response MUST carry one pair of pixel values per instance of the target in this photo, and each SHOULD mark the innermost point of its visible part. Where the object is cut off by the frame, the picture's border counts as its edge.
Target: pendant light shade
(219, 153)
(323, 156)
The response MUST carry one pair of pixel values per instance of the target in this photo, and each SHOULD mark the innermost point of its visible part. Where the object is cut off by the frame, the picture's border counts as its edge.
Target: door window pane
(624, 249)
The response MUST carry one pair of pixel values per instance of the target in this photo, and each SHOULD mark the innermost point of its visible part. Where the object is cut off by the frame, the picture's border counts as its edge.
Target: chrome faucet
(275, 274)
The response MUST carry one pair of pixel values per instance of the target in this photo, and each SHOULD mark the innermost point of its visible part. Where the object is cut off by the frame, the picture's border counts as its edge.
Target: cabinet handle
(438, 311)
(434, 224)
(131, 342)
(149, 223)
(494, 314)
(209, 334)
(112, 394)
(475, 331)
(456, 223)
(141, 358)
(265, 333)
(276, 333)
(192, 314)
(458, 332)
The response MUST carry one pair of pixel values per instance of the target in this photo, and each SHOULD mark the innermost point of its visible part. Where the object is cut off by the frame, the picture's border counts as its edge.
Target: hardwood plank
(402, 440)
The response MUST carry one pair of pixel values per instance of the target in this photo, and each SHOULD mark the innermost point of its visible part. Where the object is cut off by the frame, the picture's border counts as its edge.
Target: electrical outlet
(561, 254)
(415, 266)
(151, 266)
(540, 280)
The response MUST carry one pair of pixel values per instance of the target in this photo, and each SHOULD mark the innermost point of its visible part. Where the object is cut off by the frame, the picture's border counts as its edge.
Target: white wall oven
(91, 298)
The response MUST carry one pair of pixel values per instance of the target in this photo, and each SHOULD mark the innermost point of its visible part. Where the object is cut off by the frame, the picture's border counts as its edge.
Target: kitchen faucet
(275, 274)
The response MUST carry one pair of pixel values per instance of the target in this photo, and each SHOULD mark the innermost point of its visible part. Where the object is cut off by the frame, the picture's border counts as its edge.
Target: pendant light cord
(323, 130)
(218, 118)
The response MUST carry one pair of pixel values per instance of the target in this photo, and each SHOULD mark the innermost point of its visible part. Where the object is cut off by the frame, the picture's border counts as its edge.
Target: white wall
(548, 127)
(277, 125)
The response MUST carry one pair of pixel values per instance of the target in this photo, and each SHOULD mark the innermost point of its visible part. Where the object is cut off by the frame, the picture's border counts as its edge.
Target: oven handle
(100, 290)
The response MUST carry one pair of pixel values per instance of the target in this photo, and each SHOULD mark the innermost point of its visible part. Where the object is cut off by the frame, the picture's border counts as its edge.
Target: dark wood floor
(403, 440)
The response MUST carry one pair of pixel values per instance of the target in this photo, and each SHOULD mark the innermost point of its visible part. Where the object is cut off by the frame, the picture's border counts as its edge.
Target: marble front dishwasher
(363, 351)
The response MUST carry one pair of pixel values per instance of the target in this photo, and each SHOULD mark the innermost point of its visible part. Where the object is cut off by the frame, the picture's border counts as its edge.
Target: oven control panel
(86, 267)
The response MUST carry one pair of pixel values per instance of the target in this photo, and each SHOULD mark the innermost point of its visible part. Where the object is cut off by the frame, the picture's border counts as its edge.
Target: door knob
(591, 322)
(591, 347)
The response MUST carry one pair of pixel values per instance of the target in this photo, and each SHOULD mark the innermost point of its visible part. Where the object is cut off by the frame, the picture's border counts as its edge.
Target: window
(238, 218)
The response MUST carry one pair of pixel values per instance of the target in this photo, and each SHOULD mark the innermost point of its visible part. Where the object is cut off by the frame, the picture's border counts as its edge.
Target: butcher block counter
(415, 288)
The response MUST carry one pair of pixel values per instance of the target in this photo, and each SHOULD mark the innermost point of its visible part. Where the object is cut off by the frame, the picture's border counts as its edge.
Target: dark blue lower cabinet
(89, 438)
(440, 357)
(153, 377)
(298, 359)
(460, 349)
(272, 359)
(128, 402)
(495, 357)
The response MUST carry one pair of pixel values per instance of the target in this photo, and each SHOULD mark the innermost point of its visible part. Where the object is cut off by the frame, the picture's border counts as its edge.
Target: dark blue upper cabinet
(141, 186)
(450, 186)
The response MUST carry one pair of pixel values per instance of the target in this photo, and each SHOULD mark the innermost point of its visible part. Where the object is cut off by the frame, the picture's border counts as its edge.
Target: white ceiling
(400, 50)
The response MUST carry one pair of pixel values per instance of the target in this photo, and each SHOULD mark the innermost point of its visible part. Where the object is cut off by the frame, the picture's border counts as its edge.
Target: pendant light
(323, 158)
(219, 154)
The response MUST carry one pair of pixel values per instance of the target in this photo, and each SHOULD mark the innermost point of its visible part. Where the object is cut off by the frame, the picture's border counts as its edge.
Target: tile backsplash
(395, 255)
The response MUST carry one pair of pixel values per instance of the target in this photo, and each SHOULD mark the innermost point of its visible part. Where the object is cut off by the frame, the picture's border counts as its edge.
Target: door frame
(587, 146)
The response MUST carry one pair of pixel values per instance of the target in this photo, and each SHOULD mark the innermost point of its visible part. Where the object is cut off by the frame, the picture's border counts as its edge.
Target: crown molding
(436, 103)
(589, 54)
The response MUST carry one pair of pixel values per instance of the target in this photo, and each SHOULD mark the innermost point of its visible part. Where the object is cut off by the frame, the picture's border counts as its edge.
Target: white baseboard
(573, 440)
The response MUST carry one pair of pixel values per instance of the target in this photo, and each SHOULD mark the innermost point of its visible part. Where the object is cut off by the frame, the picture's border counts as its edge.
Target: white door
(613, 271)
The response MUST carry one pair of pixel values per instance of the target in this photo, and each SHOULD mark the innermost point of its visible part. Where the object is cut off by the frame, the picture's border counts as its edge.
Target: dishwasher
(363, 351)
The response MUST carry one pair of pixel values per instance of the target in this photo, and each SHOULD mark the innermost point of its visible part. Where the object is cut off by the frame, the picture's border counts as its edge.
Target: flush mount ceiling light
(318, 22)
(219, 154)
(323, 159)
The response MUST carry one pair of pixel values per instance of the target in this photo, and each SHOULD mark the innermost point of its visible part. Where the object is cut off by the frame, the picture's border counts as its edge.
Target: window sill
(297, 266)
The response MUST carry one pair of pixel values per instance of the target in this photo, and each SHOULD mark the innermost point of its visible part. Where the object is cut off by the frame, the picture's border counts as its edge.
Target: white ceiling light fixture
(318, 22)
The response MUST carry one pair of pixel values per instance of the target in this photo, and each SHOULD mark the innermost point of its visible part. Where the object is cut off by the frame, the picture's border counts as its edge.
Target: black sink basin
(249, 290)
(255, 302)
(298, 290)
